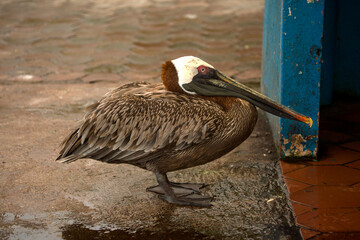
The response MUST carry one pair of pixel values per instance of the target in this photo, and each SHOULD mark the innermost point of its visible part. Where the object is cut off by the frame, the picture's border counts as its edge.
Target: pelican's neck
(169, 77)
(225, 102)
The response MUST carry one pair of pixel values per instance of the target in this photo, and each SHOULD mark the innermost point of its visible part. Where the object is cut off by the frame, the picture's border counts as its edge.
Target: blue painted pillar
(292, 52)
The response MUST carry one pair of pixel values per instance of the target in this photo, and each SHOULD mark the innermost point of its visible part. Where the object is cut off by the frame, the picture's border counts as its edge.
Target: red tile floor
(325, 194)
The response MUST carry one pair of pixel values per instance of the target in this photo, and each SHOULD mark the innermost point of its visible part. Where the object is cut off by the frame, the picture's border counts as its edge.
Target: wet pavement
(57, 57)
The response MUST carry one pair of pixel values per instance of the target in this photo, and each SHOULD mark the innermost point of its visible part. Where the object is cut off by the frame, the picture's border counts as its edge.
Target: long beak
(221, 85)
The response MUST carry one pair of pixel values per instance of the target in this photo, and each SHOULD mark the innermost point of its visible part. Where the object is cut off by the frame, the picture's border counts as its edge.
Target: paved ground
(57, 57)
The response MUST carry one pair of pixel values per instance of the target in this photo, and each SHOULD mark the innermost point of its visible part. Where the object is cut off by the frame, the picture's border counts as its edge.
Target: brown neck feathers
(170, 78)
(225, 102)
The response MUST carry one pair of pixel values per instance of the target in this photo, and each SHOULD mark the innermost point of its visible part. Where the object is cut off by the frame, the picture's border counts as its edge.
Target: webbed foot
(185, 194)
(179, 189)
(194, 199)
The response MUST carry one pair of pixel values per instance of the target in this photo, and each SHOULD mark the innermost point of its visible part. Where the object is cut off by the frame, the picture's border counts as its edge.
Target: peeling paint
(297, 146)
(289, 12)
(310, 1)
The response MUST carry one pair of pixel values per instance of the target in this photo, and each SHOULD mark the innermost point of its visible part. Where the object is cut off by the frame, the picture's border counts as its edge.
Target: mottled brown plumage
(195, 117)
(158, 130)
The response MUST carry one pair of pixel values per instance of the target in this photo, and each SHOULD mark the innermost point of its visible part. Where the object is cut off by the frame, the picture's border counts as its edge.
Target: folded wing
(137, 123)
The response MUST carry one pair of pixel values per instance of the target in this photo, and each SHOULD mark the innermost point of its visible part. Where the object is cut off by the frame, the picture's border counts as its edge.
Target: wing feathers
(138, 127)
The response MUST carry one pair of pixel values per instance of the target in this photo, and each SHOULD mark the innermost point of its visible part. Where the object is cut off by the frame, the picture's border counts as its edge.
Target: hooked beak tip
(307, 120)
(310, 122)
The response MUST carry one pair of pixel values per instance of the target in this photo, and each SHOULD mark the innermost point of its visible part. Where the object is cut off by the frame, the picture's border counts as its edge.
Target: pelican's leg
(179, 193)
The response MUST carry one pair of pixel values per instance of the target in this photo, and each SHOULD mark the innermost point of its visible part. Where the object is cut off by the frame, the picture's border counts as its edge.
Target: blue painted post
(292, 49)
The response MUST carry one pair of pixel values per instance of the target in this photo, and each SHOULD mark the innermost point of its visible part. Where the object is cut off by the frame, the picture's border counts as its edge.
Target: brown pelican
(195, 117)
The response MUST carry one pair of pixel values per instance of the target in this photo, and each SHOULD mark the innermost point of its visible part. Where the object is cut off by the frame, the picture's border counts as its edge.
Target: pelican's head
(192, 75)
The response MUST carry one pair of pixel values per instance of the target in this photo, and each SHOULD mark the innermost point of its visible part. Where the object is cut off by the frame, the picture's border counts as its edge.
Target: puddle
(60, 226)
(81, 232)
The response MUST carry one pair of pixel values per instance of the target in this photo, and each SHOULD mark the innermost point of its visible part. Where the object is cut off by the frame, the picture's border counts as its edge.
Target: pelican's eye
(203, 70)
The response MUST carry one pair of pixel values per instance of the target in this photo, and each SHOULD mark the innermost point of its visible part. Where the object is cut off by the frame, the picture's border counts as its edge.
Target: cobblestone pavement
(57, 57)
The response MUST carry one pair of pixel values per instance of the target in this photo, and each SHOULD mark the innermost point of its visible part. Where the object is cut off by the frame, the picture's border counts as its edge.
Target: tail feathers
(69, 145)
(67, 159)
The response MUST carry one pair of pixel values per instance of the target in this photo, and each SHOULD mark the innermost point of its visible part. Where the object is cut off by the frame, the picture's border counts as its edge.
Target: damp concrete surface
(57, 57)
